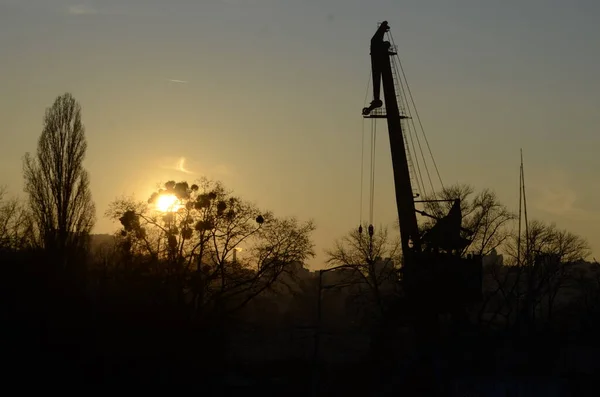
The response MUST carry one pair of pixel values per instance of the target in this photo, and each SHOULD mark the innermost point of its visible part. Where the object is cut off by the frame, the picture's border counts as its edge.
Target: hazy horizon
(265, 96)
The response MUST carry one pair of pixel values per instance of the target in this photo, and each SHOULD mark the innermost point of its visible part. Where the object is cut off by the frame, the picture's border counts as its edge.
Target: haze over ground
(265, 95)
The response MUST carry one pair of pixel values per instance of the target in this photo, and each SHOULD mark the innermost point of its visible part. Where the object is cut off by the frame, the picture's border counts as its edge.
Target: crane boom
(382, 75)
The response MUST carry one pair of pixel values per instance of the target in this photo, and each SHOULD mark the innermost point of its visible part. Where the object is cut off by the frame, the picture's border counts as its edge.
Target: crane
(433, 272)
(382, 73)
(435, 276)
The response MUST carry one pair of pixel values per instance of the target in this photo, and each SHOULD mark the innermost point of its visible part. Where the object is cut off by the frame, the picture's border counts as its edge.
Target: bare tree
(220, 247)
(56, 182)
(15, 224)
(369, 262)
(374, 261)
(549, 257)
(530, 290)
(484, 217)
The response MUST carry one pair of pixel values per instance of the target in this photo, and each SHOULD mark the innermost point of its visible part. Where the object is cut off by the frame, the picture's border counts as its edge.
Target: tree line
(194, 261)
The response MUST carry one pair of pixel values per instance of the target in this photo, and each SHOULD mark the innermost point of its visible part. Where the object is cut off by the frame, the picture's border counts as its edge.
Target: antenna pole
(525, 207)
(520, 209)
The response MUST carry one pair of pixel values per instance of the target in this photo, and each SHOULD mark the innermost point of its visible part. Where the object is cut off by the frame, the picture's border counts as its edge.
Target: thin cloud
(181, 166)
(178, 164)
(177, 81)
(191, 167)
(81, 9)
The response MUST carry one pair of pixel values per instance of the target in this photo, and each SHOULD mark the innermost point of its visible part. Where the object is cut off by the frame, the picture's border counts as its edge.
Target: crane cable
(372, 167)
(408, 90)
(404, 99)
(372, 177)
(418, 175)
(413, 131)
(362, 174)
(373, 155)
(362, 156)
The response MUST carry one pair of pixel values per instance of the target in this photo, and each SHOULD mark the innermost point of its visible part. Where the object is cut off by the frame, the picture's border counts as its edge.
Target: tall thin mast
(525, 209)
(520, 209)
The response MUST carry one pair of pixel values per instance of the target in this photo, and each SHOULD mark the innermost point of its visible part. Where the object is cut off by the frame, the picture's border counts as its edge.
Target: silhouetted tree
(15, 224)
(222, 249)
(549, 255)
(374, 259)
(56, 182)
(530, 289)
(547, 239)
(483, 215)
(370, 265)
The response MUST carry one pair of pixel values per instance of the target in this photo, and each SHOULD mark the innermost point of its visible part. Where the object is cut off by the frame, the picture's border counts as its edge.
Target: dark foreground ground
(53, 340)
(58, 359)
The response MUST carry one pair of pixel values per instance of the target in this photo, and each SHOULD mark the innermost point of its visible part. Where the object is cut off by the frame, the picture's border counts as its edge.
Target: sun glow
(167, 203)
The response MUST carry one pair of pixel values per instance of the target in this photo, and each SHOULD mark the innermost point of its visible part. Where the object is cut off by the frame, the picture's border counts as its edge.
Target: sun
(167, 203)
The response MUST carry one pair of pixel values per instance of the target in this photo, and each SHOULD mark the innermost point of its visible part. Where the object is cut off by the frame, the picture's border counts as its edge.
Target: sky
(265, 95)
